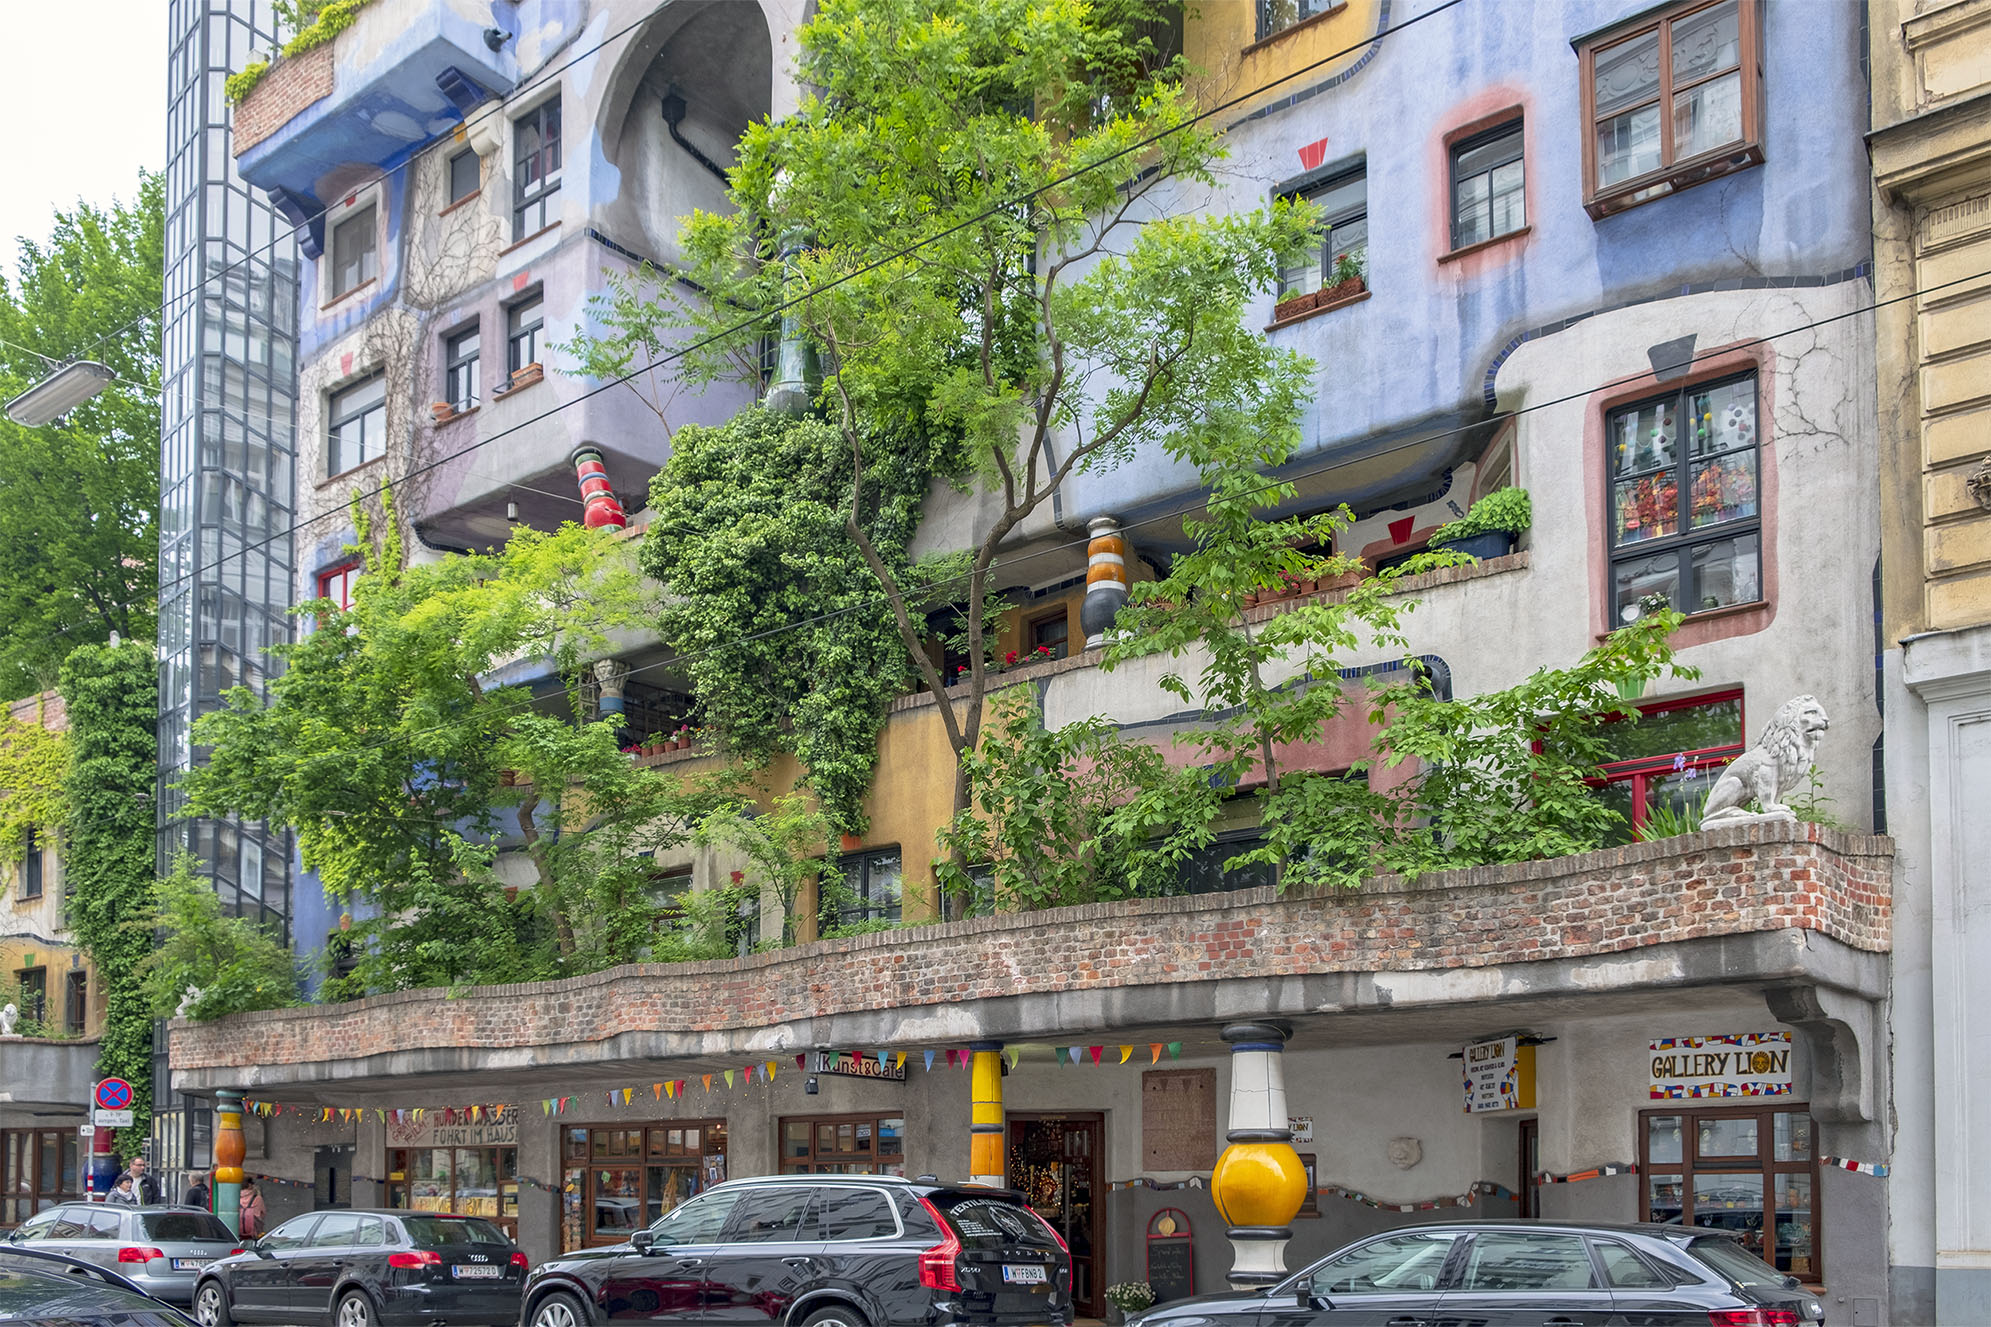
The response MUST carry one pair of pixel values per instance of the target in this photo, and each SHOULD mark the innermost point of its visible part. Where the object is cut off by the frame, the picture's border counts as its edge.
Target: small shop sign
(436, 1133)
(848, 1064)
(1742, 1064)
(1499, 1075)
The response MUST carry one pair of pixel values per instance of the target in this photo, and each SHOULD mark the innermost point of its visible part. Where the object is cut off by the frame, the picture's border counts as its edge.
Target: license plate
(467, 1273)
(190, 1264)
(1022, 1276)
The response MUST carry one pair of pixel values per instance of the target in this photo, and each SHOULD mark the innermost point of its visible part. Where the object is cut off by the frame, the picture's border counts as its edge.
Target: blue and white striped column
(1259, 1183)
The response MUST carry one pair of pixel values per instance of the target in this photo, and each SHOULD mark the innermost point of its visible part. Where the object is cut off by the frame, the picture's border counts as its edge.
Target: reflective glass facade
(227, 445)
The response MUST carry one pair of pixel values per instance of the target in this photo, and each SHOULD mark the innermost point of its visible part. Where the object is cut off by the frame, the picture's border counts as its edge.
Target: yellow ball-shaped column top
(1258, 1184)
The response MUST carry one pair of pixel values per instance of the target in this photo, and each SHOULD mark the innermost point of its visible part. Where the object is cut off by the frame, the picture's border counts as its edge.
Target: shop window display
(844, 1145)
(1747, 1169)
(469, 1181)
(618, 1181)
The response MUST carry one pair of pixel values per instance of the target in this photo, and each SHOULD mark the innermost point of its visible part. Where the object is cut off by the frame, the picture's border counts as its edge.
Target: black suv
(820, 1251)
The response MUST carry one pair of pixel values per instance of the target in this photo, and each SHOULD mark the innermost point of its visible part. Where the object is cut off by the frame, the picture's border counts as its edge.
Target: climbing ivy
(788, 644)
(112, 693)
(33, 761)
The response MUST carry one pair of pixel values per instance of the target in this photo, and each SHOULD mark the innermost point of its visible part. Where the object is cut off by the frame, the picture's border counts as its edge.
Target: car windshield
(982, 1222)
(180, 1226)
(1736, 1263)
(437, 1232)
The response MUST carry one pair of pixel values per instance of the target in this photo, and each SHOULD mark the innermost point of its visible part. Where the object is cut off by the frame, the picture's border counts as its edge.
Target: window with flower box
(1673, 100)
(1670, 756)
(1343, 201)
(1685, 530)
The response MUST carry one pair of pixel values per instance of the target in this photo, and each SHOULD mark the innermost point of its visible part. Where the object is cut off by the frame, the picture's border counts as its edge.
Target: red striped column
(600, 508)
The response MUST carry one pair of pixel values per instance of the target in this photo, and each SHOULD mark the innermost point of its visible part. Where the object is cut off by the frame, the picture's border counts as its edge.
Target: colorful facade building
(1617, 255)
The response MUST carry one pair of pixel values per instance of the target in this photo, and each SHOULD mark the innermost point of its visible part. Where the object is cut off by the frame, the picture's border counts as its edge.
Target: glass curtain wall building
(227, 456)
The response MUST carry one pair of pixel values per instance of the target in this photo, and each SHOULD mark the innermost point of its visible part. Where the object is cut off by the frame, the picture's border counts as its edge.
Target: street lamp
(60, 392)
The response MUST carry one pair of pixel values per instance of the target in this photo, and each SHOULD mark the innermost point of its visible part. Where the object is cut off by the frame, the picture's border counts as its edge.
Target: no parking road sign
(112, 1103)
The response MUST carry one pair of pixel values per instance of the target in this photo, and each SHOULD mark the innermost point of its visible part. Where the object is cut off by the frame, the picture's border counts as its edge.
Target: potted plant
(1343, 281)
(1489, 529)
(1292, 306)
(527, 373)
(1128, 1297)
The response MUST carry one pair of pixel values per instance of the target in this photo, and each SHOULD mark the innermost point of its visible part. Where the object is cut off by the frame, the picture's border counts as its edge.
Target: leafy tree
(112, 696)
(784, 843)
(78, 539)
(385, 741)
(234, 963)
(1053, 322)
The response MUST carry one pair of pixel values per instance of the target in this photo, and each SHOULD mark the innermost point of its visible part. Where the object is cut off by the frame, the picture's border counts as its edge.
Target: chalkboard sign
(1171, 1256)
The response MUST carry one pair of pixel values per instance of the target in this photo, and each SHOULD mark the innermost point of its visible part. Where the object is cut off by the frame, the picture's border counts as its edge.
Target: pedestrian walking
(251, 1212)
(121, 1193)
(144, 1188)
(198, 1193)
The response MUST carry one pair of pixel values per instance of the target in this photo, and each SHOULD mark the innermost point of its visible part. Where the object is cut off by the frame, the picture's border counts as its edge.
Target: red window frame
(1638, 772)
(339, 578)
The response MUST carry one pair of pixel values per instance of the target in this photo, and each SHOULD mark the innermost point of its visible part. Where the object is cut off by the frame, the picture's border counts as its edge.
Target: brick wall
(288, 88)
(1729, 882)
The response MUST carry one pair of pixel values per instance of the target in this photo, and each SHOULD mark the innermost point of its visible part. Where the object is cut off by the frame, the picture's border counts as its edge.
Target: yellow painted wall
(1220, 41)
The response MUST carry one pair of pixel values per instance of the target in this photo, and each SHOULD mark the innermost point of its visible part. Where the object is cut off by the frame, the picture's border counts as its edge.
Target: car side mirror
(642, 1240)
(1792, 1283)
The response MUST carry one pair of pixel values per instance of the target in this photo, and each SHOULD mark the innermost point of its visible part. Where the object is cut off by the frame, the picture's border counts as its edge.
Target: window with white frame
(524, 321)
(460, 374)
(1488, 194)
(357, 432)
(535, 169)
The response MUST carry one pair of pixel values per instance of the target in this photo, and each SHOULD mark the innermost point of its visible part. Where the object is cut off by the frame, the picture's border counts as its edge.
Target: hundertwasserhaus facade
(1619, 254)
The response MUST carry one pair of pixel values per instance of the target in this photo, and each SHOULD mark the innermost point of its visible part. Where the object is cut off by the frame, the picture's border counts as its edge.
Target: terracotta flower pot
(1295, 305)
(1342, 291)
(849, 842)
(443, 411)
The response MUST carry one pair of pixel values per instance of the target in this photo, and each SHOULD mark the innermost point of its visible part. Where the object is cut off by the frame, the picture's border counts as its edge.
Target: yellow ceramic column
(985, 1137)
(229, 1149)
(1259, 1183)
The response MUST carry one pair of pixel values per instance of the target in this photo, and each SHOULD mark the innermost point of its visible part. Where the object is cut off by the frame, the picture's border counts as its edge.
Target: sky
(84, 84)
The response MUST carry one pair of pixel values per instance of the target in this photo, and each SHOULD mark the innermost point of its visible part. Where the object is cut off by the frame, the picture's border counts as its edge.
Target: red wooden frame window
(1648, 771)
(336, 583)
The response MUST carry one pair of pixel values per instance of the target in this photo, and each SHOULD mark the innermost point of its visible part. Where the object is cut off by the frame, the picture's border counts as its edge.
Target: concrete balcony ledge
(46, 1073)
(1776, 907)
(403, 73)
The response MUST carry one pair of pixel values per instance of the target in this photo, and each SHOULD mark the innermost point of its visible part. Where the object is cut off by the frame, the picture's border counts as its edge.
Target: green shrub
(241, 83)
(327, 22)
(1504, 509)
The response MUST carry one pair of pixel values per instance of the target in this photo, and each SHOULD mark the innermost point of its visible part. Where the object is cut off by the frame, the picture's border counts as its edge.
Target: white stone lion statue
(9, 1016)
(1766, 772)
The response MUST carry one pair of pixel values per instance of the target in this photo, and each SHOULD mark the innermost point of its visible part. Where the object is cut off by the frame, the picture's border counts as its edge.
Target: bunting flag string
(1577, 1176)
(1877, 1169)
(1474, 1192)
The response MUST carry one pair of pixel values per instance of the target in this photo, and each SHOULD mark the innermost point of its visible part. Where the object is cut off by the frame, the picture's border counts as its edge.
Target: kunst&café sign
(1743, 1064)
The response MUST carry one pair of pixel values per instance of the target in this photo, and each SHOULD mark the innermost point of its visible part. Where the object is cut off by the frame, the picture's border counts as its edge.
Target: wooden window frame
(42, 1191)
(812, 1163)
(33, 865)
(1685, 535)
(577, 1168)
(340, 577)
(398, 1190)
(1514, 125)
(535, 199)
(829, 916)
(1765, 1165)
(76, 1001)
(38, 1013)
(1061, 648)
(1672, 175)
(363, 220)
(449, 177)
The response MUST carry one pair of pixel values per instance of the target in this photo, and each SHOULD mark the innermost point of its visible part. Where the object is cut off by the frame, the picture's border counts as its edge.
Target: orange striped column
(986, 1127)
(1105, 579)
(229, 1149)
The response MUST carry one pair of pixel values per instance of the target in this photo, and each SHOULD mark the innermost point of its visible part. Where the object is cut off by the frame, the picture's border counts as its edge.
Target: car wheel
(355, 1310)
(836, 1317)
(211, 1305)
(559, 1310)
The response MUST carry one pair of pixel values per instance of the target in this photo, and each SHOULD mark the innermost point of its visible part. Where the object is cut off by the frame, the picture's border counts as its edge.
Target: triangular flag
(1174, 1050)
(929, 1061)
(729, 1078)
(770, 1068)
(802, 1060)
(1061, 1053)
(1093, 1051)
(1077, 1051)
(1125, 1052)
(656, 1091)
(546, 1107)
(628, 1095)
(750, 1073)
(670, 1090)
(899, 1061)
(1013, 1057)
(708, 1082)
(1154, 1052)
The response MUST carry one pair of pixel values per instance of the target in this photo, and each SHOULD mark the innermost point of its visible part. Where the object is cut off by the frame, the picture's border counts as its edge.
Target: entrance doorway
(1531, 1166)
(1055, 1160)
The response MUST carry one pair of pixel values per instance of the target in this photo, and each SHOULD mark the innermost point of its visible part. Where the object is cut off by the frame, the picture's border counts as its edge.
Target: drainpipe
(674, 109)
(1259, 1183)
(600, 508)
(985, 1132)
(1105, 579)
(229, 1149)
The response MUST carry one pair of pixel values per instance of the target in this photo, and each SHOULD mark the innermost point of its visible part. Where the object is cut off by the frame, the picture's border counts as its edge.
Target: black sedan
(1517, 1274)
(368, 1269)
(41, 1287)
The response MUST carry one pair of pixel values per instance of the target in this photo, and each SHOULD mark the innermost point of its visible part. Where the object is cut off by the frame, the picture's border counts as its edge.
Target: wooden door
(1058, 1162)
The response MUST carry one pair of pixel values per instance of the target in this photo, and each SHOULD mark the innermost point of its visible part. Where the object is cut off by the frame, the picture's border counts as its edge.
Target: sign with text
(1499, 1075)
(111, 1119)
(1742, 1064)
(434, 1133)
(849, 1064)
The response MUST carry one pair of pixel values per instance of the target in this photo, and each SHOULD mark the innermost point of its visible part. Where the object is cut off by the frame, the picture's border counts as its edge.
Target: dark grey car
(160, 1249)
(45, 1288)
(1517, 1274)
